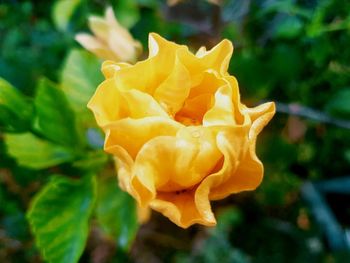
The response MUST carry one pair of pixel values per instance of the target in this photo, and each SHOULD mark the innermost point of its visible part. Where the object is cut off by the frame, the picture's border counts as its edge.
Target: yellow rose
(111, 40)
(178, 130)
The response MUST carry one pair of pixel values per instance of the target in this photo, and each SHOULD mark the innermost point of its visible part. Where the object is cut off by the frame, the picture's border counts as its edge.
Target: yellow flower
(111, 40)
(178, 130)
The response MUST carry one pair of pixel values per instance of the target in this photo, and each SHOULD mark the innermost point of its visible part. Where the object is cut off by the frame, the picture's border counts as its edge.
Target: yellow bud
(110, 41)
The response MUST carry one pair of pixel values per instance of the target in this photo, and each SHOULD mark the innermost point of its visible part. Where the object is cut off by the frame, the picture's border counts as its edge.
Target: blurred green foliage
(51, 160)
(59, 217)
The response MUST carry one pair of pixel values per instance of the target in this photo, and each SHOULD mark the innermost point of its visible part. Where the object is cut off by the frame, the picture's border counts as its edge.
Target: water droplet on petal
(196, 133)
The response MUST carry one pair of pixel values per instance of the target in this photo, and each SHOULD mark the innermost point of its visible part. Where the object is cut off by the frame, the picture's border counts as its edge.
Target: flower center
(188, 121)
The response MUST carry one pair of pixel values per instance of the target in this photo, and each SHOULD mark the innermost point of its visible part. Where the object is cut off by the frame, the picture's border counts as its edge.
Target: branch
(302, 111)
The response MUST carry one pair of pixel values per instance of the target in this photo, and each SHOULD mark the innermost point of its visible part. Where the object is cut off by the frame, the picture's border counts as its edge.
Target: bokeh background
(293, 52)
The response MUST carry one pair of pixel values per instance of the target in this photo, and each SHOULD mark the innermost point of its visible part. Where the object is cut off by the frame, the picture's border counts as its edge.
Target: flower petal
(106, 103)
(201, 51)
(210, 82)
(175, 89)
(110, 17)
(109, 68)
(143, 214)
(200, 99)
(145, 75)
(162, 159)
(142, 105)
(232, 142)
(177, 163)
(222, 113)
(162, 48)
(241, 173)
(206, 158)
(227, 107)
(218, 58)
(100, 27)
(95, 46)
(140, 76)
(250, 170)
(123, 45)
(260, 117)
(110, 104)
(127, 181)
(181, 209)
(194, 109)
(132, 134)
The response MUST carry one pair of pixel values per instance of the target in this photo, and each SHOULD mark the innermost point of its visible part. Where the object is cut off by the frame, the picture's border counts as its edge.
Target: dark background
(296, 53)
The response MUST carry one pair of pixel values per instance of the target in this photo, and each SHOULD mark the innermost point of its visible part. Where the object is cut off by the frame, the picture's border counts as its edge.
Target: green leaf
(32, 152)
(286, 71)
(148, 3)
(63, 10)
(80, 77)
(289, 27)
(15, 109)
(12, 99)
(347, 155)
(339, 104)
(116, 212)
(92, 160)
(54, 118)
(59, 217)
(127, 12)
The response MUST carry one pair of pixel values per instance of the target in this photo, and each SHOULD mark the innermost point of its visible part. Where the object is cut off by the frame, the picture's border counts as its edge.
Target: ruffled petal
(181, 209)
(148, 74)
(194, 109)
(162, 48)
(227, 109)
(243, 174)
(222, 113)
(106, 103)
(174, 90)
(141, 76)
(206, 158)
(161, 160)
(132, 134)
(200, 99)
(201, 51)
(247, 176)
(210, 82)
(141, 105)
(260, 116)
(124, 164)
(177, 163)
(232, 143)
(110, 104)
(127, 180)
(109, 68)
(218, 58)
(249, 172)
